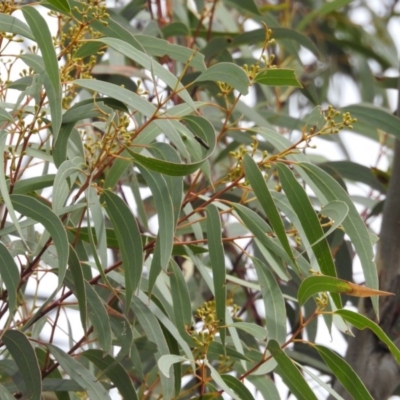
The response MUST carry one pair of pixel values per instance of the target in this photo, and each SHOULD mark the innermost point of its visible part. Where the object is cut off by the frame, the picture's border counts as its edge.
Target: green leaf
(24, 356)
(79, 283)
(151, 65)
(217, 259)
(290, 373)
(166, 222)
(229, 73)
(5, 116)
(99, 317)
(326, 8)
(11, 24)
(308, 218)
(36, 210)
(119, 93)
(374, 117)
(277, 77)
(117, 373)
(260, 229)
(344, 373)
(265, 386)
(80, 374)
(361, 322)
(316, 284)
(255, 330)
(238, 387)
(154, 333)
(165, 362)
(248, 6)
(9, 274)
(180, 299)
(261, 190)
(61, 5)
(274, 304)
(202, 130)
(221, 382)
(353, 224)
(4, 393)
(129, 241)
(44, 40)
(4, 187)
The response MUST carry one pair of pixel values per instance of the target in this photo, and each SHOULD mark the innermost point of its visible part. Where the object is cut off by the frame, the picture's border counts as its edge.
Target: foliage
(157, 183)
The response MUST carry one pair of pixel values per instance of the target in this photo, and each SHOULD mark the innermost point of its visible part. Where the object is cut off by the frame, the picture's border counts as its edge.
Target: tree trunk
(369, 357)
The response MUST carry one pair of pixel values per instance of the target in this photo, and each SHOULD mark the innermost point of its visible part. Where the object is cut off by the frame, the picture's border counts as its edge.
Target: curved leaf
(80, 374)
(129, 241)
(229, 73)
(316, 284)
(290, 373)
(36, 210)
(24, 356)
(11, 24)
(9, 274)
(277, 77)
(216, 250)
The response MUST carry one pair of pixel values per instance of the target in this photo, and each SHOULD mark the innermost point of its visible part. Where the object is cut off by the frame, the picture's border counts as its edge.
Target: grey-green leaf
(9, 274)
(80, 374)
(129, 241)
(24, 356)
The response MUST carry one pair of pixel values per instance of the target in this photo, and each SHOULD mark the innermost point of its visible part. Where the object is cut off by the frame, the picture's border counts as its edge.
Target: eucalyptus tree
(160, 177)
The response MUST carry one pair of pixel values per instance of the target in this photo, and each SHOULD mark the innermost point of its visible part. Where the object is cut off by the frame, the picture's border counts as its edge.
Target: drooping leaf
(361, 322)
(274, 304)
(238, 387)
(344, 373)
(165, 362)
(117, 374)
(310, 223)
(216, 250)
(99, 317)
(36, 210)
(44, 40)
(261, 190)
(80, 374)
(129, 241)
(354, 226)
(9, 274)
(11, 24)
(24, 356)
(61, 5)
(290, 373)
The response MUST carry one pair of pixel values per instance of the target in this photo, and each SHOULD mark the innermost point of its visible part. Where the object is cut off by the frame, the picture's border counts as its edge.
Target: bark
(369, 357)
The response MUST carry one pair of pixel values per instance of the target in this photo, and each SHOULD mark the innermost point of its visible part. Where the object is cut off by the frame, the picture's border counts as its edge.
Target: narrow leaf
(238, 387)
(308, 218)
(117, 373)
(24, 356)
(165, 362)
(217, 259)
(261, 190)
(44, 40)
(99, 317)
(344, 373)
(277, 77)
(274, 304)
(255, 330)
(129, 241)
(290, 373)
(80, 374)
(353, 224)
(61, 5)
(11, 24)
(36, 210)
(361, 322)
(10, 276)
